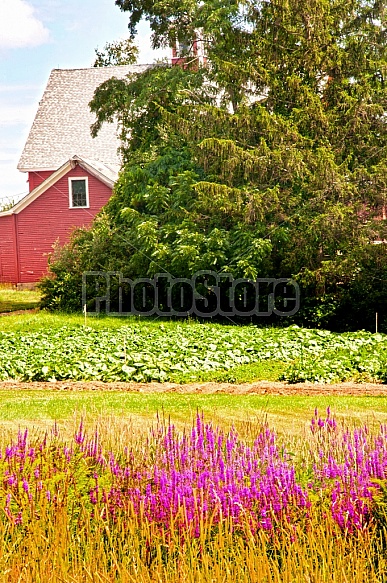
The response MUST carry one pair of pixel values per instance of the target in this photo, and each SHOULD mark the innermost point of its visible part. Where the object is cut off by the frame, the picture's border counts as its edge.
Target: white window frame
(71, 179)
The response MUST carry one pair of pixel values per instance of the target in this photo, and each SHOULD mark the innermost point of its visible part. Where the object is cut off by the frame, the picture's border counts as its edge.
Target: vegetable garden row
(180, 352)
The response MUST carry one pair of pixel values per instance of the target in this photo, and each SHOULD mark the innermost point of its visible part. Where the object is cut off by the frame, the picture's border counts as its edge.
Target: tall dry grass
(52, 550)
(68, 536)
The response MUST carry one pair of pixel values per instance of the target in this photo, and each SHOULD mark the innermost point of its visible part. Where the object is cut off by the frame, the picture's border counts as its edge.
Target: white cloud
(19, 27)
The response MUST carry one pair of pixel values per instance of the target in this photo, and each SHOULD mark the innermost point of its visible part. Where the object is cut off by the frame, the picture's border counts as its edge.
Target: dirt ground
(258, 388)
(18, 312)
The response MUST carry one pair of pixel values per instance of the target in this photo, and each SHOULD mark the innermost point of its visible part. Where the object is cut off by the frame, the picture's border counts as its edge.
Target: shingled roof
(62, 123)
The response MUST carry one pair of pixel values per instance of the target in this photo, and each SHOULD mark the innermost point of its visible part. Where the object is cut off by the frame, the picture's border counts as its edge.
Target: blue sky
(35, 37)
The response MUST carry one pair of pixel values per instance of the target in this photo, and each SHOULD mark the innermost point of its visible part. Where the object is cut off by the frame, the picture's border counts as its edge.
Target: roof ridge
(63, 120)
(104, 68)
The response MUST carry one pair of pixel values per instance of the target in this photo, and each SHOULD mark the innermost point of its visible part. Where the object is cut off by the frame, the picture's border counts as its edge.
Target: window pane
(78, 193)
(184, 48)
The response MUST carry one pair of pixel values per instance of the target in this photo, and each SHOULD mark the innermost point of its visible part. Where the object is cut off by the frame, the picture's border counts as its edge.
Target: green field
(288, 414)
(12, 300)
(49, 347)
(41, 345)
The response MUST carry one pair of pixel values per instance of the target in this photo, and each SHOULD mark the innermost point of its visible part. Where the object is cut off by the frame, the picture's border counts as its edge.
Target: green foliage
(270, 162)
(6, 204)
(139, 352)
(263, 370)
(147, 351)
(123, 52)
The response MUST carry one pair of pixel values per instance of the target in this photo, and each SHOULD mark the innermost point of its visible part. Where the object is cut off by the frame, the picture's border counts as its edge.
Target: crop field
(45, 347)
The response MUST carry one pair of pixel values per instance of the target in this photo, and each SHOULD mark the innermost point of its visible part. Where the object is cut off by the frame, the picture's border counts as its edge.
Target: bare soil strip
(256, 388)
(18, 312)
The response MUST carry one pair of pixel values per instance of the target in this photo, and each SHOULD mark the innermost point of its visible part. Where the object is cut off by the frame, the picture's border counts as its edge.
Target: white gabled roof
(106, 174)
(62, 122)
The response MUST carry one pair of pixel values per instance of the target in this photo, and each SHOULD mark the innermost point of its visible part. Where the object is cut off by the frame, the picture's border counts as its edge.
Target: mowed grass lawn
(288, 415)
(12, 300)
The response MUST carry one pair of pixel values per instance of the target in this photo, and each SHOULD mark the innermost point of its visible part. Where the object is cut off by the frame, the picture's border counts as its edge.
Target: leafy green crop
(140, 352)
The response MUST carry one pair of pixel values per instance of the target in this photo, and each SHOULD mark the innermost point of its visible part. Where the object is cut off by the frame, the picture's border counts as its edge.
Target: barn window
(79, 193)
(184, 48)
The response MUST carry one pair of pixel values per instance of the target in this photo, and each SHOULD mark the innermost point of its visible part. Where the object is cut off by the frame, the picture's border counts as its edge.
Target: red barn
(192, 53)
(70, 174)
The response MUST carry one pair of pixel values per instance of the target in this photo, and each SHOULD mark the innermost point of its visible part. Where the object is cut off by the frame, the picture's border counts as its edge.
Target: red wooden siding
(8, 256)
(44, 221)
(36, 178)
